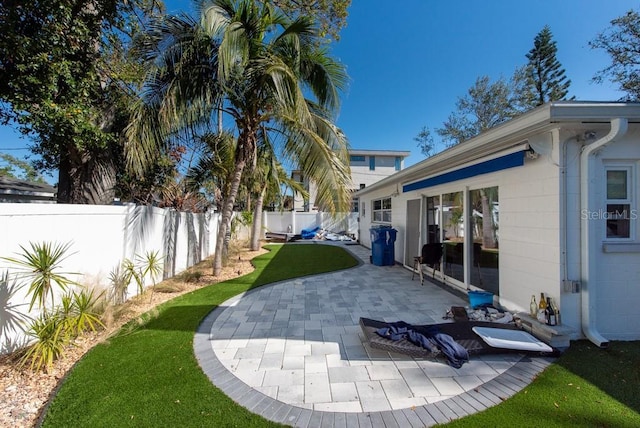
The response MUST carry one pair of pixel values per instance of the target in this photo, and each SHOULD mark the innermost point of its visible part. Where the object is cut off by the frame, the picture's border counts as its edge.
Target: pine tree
(545, 78)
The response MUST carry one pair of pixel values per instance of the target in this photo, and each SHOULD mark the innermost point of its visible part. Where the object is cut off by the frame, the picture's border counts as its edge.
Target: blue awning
(498, 164)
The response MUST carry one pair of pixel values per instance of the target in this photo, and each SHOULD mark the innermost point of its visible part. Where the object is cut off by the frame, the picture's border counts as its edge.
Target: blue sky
(410, 60)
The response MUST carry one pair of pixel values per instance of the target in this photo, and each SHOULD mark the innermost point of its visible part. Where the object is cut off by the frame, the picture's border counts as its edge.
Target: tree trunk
(227, 212)
(245, 152)
(256, 226)
(86, 177)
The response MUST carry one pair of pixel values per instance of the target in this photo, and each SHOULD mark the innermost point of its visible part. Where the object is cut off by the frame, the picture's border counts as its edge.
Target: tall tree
(258, 66)
(425, 141)
(484, 106)
(545, 78)
(330, 14)
(60, 84)
(622, 42)
(17, 168)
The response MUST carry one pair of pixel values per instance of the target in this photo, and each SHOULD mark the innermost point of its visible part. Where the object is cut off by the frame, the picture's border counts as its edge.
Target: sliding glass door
(470, 246)
(453, 234)
(484, 223)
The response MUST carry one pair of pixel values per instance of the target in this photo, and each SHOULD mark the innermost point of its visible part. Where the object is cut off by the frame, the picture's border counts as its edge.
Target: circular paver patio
(294, 353)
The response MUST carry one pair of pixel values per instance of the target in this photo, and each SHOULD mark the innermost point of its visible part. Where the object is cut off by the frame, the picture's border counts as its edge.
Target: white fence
(294, 222)
(101, 237)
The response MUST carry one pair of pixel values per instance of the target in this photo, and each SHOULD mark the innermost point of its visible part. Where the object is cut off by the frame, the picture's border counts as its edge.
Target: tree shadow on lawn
(615, 370)
(286, 262)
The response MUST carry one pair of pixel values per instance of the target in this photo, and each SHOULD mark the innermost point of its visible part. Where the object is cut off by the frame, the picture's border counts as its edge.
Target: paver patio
(294, 353)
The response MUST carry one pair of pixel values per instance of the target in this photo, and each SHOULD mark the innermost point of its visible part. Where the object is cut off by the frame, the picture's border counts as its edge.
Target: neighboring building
(13, 190)
(367, 168)
(547, 202)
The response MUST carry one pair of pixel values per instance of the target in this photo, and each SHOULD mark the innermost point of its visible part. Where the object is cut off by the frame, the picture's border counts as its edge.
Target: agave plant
(50, 340)
(131, 271)
(84, 313)
(151, 264)
(40, 266)
(120, 279)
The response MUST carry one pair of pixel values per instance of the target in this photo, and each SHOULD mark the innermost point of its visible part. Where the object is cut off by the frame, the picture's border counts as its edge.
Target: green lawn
(148, 375)
(586, 387)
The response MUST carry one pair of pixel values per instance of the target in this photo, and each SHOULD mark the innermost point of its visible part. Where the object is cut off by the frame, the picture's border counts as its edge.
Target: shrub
(120, 278)
(190, 276)
(50, 339)
(40, 267)
(84, 315)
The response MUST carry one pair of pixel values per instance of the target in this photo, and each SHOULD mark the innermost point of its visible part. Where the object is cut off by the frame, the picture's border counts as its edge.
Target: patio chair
(431, 255)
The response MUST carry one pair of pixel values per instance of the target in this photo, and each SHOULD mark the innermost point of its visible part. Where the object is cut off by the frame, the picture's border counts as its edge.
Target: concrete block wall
(102, 237)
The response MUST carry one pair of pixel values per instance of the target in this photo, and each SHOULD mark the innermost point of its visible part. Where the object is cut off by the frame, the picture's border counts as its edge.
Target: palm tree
(258, 67)
(266, 183)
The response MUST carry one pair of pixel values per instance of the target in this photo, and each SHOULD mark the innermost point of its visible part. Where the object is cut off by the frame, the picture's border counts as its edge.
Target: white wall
(102, 237)
(361, 174)
(398, 217)
(617, 289)
(528, 225)
(530, 260)
(532, 231)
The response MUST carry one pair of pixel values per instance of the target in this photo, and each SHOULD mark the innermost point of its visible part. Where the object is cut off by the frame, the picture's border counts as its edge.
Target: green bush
(49, 333)
(40, 267)
(84, 314)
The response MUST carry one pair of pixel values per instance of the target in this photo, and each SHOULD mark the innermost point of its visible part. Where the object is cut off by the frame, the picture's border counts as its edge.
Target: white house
(547, 202)
(367, 167)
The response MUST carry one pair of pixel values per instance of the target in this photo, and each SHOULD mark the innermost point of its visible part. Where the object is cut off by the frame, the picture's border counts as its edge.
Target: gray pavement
(294, 353)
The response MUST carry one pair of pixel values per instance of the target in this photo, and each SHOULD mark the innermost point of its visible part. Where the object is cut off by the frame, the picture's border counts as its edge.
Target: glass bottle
(551, 313)
(542, 306)
(556, 310)
(533, 307)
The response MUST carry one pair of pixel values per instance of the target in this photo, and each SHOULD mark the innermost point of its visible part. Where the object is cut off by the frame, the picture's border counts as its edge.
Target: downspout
(588, 235)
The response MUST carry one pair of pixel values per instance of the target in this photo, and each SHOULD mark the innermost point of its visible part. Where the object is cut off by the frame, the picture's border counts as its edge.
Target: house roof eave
(512, 133)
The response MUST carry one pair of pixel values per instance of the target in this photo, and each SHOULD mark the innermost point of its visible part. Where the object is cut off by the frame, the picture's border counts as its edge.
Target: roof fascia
(504, 136)
(512, 133)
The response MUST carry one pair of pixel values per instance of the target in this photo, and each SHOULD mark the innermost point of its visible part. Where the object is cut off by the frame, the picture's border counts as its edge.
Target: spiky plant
(40, 267)
(133, 272)
(84, 314)
(150, 264)
(120, 277)
(50, 340)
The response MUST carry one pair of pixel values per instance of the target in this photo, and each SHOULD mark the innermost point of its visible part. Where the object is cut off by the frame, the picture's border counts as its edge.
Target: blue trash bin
(383, 240)
(389, 258)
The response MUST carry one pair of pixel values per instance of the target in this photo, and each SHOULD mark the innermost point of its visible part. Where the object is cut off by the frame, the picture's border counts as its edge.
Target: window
(619, 201)
(398, 163)
(381, 210)
(356, 158)
(372, 163)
